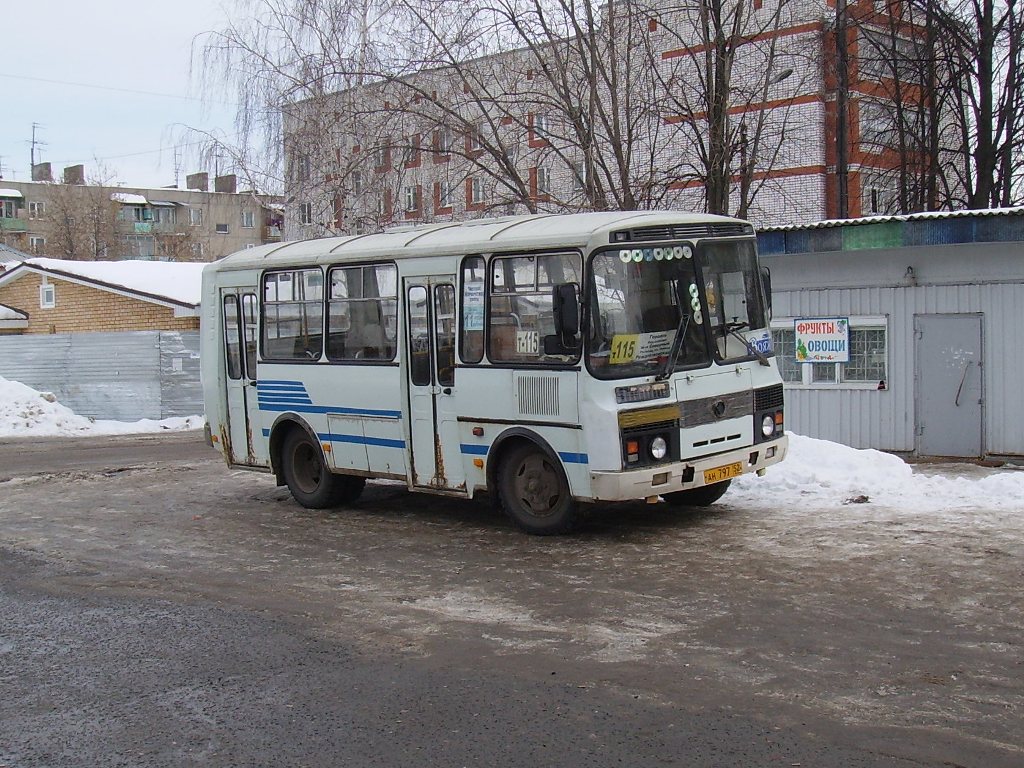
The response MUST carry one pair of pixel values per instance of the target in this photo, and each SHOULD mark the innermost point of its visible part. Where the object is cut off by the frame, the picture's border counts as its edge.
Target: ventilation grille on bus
(768, 398)
(538, 396)
(681, 231)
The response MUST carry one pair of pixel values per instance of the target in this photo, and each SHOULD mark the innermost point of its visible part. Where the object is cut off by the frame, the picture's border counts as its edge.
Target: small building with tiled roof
(59, 296)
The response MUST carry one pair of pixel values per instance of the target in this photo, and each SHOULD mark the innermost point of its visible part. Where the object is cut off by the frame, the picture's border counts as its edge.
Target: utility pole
(842, 110)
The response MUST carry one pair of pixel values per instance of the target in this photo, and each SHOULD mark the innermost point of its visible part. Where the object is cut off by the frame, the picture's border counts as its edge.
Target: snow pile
(26, 412)
(178, 281)
(834, 475)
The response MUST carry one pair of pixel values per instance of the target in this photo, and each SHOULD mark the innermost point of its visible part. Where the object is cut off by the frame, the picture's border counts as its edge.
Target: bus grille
(538, 396)
(768, 398)
(681, 232)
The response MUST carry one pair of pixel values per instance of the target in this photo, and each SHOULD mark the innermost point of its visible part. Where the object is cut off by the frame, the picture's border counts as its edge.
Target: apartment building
(797, 133)
(72, 219)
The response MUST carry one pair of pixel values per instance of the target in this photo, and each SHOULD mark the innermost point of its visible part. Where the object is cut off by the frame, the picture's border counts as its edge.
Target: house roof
(163, 282)
(10, 313)
(927, 215)
(11, 256)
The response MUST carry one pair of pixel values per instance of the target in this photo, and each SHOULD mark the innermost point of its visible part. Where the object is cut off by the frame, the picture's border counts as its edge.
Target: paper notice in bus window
(640, 346)
(473, 306)
(528, 342)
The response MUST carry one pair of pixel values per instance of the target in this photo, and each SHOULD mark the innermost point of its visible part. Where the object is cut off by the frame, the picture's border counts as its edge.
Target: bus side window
(472, 325)
(232, 337)
(444, 319)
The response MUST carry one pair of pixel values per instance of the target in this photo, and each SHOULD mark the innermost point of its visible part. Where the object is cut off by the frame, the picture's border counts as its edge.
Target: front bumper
(632, 484)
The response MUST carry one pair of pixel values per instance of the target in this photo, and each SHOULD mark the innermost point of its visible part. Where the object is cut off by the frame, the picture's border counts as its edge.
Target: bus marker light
(478, 431)
(326, 447)
(478, 463)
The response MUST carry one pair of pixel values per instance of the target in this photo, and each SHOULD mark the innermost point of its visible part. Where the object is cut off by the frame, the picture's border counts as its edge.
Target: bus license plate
(718, 474)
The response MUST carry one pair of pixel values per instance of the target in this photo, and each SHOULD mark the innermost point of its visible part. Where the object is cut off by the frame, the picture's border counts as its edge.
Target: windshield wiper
(677, 343)
(733, 330)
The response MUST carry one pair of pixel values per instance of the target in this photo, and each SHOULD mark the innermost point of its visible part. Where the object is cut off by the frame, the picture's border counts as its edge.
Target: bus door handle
(446, 391)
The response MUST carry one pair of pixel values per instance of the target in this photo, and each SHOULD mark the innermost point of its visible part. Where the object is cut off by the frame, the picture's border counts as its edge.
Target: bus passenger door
(240, 323)
(431, 323)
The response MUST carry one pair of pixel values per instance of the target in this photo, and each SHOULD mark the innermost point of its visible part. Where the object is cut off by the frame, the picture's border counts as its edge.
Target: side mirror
(566, 309)
(766, 286)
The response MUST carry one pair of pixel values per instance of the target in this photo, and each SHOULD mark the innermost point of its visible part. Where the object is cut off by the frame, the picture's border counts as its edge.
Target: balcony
(13, 225)
(143, 227)
(271, 234)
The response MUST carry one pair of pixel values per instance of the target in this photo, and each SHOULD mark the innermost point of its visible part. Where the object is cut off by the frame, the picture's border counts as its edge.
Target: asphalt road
(159, 609)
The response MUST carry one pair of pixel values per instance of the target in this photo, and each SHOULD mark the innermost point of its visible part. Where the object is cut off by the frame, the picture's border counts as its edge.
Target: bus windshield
(732, 291)
(641, 299)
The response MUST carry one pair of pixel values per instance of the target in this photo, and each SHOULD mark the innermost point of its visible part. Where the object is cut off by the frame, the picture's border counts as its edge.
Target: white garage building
(936, 314)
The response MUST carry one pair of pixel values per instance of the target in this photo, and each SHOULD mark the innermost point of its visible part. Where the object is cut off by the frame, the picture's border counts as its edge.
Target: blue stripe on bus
(378, 441)
(271, 399)
(301, 408)
(382, 442)
(573, 458)
(481, 450)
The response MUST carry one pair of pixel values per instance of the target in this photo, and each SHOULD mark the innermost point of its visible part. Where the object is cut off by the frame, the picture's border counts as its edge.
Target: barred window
(869, 353)
(784, 343)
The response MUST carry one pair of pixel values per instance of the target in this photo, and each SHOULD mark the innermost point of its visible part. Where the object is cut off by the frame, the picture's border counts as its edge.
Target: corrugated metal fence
(123, 376)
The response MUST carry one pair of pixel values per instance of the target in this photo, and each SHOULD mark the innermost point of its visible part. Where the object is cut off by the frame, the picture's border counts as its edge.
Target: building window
(198, 250)
(305, 213)
(357, 182)
(867, 368)
(164, 216)
(476, 190)
(47, 296)
(195, 217)
(444, 194)
(248, 220)
(303, 168)
(6, 209)
(579, 176)
(223, 229)
(412, 198)
(541, 126)
(36, 210)
(475, 141)
(140, 246)
(37, 244)
(543, 181)
(444, 140)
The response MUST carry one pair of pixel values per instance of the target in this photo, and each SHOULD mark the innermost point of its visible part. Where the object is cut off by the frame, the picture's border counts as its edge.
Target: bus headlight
(658, 448)
(768, 426)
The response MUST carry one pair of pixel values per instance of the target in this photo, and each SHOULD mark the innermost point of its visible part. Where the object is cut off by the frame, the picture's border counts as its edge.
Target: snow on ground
(25, 412)
(826, 474)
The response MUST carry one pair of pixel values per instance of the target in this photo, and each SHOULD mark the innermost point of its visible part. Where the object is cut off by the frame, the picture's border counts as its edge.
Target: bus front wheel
(534, 492)
(306, 474)
(704, 496)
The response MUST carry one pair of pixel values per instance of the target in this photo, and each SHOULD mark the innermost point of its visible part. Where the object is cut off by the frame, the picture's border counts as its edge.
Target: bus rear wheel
(704, 496)
(306, 474)
(534, 492)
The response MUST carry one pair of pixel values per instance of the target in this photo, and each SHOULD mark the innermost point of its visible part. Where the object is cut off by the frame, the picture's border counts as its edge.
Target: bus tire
(308, 478)
(704, 496)
(534, 493)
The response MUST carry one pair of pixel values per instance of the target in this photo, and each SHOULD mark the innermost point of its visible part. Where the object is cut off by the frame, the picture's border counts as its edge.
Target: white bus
(548, 359)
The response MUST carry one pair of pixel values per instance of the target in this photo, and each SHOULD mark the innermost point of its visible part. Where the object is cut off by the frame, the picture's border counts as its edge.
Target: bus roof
(509, 233)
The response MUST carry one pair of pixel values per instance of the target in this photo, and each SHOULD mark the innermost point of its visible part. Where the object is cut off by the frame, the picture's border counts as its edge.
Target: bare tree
(84, 224)
(945, 120)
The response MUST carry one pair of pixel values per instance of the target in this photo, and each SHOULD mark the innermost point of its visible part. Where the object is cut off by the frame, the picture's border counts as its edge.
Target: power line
(113, 88)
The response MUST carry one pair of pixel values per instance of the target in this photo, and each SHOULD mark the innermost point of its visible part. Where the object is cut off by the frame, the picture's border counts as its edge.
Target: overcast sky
(107, 80)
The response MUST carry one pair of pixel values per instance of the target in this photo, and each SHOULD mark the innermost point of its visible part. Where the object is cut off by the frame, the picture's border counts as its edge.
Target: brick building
(362, 162)
(53, 296)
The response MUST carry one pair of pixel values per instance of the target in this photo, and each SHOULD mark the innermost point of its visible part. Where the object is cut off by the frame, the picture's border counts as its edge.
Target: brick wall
(81, 309)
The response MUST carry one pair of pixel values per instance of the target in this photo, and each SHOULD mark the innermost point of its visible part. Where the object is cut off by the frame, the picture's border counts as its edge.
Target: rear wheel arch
(284, 424)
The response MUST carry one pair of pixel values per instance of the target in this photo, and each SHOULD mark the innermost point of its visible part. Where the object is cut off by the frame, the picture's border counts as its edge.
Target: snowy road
(858, 633)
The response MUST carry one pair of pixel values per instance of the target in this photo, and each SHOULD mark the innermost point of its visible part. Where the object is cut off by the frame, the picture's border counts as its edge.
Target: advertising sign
(822, 339)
